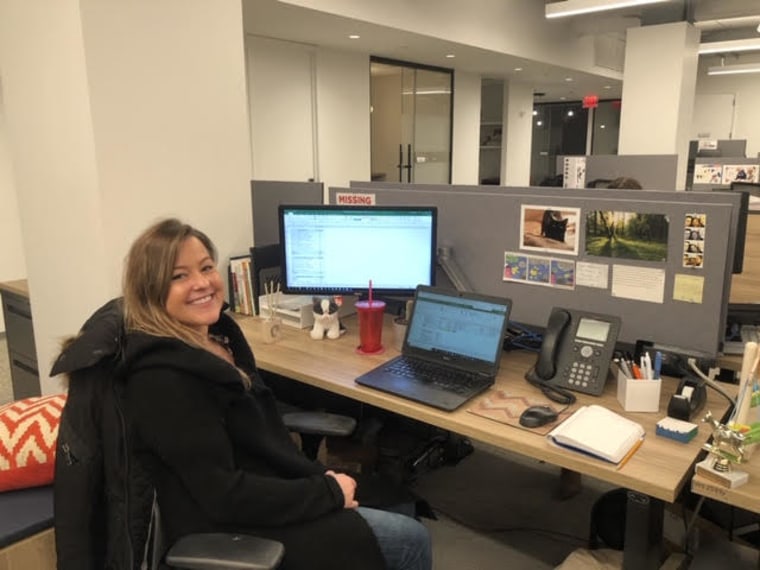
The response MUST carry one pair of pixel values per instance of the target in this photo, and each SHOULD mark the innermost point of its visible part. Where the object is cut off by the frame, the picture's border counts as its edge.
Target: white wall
(281, 97)
(12, 263)
(744, 89)
(128, 131)
(465, 147)
(343, 122)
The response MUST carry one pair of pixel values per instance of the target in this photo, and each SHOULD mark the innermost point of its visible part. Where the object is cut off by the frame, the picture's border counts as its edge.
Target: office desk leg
(643, 532)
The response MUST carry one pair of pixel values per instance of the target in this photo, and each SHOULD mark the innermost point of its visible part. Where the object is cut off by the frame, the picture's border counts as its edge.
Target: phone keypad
(581, 374)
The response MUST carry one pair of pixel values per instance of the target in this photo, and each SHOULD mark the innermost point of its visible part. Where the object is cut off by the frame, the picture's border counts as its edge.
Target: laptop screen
(458, 324)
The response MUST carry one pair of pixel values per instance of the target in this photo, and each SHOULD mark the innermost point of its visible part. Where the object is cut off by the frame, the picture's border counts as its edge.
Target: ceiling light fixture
(752, 44)
(450, 56)
(354, 37)
(575, 7)
(734, 69)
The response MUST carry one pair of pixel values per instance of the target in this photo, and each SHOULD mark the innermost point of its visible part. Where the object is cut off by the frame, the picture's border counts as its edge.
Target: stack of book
(241, 289)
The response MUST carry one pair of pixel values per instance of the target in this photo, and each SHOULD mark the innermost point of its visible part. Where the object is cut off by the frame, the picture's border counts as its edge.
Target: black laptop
(451, 352)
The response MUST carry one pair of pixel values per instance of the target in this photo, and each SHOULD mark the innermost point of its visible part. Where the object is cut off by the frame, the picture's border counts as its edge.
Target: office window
(606, 121)
(558, 129)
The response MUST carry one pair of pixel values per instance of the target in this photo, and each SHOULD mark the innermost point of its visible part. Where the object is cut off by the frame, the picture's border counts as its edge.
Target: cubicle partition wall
(668, 288)
(721, 171)
(267, 195)
(653, 171)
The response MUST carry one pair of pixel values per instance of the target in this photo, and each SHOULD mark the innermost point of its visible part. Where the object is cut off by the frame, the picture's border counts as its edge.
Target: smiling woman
(219, 455)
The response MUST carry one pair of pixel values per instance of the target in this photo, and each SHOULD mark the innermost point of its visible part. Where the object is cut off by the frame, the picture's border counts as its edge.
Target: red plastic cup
(370, 315)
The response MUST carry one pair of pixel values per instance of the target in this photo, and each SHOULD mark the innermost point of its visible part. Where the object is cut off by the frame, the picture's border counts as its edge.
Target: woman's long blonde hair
(148, 275)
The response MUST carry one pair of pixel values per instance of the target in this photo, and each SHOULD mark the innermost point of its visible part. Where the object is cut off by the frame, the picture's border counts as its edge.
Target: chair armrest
(319, 423)
(224, 551)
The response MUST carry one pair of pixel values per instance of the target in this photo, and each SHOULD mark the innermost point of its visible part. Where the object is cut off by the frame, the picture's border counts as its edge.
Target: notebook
(451, 351)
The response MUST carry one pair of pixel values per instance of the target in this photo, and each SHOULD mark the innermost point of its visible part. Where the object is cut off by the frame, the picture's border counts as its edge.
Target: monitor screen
(329, 250)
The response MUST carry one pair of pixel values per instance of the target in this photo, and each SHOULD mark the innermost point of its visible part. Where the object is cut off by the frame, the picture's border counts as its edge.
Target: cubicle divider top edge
(267, 195)
(686, 307)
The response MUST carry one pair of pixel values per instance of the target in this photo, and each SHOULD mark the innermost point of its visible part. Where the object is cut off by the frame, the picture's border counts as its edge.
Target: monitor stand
(452, 270)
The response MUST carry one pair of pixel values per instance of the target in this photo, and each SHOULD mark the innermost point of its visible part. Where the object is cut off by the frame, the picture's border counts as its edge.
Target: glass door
(410, 122)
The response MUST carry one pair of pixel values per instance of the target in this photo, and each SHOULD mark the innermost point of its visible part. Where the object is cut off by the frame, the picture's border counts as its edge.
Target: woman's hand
(348, 486)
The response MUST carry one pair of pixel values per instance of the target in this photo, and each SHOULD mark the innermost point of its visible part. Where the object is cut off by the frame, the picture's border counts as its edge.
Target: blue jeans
(404, 542)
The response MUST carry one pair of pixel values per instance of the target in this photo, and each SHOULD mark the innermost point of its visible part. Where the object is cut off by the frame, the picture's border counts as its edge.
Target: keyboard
(747, 333)
(444, 377)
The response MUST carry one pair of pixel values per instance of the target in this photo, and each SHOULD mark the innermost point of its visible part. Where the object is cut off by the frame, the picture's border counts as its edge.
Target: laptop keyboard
(428, 373)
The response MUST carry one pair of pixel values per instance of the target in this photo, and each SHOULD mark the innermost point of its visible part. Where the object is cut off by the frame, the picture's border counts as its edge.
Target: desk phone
(576, 350)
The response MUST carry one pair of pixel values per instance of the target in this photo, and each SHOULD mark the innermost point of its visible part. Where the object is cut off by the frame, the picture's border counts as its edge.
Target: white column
(517, 135)
(659, 82)
(465, 150)
(119, 113)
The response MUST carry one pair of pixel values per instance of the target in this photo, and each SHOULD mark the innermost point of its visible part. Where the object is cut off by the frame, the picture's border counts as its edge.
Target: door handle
(400, 164)
(408, 164)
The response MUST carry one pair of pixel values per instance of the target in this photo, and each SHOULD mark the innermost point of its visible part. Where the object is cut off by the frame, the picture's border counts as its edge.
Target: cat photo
(552, 229)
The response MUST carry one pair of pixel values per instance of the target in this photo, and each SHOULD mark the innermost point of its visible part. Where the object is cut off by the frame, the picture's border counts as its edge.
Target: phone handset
(545, 368)
(546, 365)
(575, 353)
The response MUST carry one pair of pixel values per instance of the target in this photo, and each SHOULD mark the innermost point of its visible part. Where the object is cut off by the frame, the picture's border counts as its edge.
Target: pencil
(630, 454)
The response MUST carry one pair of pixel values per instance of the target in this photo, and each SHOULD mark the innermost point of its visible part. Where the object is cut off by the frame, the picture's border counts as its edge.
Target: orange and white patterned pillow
(28, 436)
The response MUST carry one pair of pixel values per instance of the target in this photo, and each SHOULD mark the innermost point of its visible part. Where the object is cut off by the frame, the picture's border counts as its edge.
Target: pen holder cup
(638, 395)
(271, 329)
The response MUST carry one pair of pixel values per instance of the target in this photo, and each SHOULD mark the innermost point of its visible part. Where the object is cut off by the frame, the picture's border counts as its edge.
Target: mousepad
(502, 407)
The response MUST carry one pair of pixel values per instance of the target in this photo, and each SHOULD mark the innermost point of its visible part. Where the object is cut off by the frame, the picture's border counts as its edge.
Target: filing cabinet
(19, 333)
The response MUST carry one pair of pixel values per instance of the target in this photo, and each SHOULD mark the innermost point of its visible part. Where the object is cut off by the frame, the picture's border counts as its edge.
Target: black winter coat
(222, 460)
(102, 498)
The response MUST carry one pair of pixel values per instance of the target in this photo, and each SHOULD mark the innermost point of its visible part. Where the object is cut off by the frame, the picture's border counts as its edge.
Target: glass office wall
(563, 129)
(558, 129)
(606, 127)
(411, 116)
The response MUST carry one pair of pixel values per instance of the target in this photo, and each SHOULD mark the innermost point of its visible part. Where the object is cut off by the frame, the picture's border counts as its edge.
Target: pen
(646, 365)
(625, 368)
(630, 453)
(636, 371)
(657, 364)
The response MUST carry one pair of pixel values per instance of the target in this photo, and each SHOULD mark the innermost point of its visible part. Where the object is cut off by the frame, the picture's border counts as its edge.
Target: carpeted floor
(509, 505)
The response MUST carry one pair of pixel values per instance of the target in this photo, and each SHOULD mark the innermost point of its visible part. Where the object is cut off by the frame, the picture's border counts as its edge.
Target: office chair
(211, 551)
(313, 426)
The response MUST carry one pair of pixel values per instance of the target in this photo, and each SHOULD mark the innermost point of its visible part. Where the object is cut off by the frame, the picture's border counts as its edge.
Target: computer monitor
(337, 250)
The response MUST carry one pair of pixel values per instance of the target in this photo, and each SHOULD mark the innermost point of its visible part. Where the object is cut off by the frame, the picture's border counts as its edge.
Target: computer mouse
(537, 416)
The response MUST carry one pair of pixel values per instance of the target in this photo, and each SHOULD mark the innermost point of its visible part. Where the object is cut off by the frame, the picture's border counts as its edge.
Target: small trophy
(727, 449)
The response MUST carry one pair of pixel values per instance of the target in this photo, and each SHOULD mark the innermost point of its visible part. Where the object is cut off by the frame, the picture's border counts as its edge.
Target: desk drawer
(24, 376)
(18, 325)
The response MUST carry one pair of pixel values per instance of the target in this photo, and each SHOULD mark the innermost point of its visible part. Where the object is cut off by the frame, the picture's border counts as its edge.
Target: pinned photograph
(740, 173)
(539, 270)
(627, 235)
(708, 174)
(563, 273)
(550, 229)
(515, 267)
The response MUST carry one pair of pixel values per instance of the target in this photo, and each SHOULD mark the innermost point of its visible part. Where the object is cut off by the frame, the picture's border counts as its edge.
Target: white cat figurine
(326, 319)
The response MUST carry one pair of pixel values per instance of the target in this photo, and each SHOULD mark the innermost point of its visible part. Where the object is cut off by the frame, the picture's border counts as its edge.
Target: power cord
(552, 391)
(709, 379)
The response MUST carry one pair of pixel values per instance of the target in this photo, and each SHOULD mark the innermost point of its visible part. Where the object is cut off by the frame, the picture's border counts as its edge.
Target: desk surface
(660, 468)
(746, 497)
(19, 287)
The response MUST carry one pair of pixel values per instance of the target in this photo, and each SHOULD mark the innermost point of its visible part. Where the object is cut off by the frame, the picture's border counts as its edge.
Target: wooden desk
(654, 475)
(744, 285)
(745, 497)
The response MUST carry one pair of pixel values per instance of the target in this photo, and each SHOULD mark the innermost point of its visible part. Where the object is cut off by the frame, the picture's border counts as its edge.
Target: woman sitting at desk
(209, 432)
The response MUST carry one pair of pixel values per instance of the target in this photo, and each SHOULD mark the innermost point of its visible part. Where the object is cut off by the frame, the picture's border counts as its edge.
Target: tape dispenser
(688, 400)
